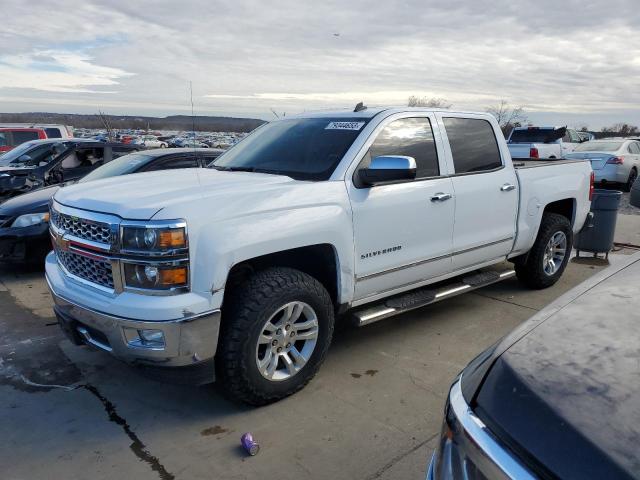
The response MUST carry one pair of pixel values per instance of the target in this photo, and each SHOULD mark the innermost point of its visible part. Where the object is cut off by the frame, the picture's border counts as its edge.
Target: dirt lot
(373, 412)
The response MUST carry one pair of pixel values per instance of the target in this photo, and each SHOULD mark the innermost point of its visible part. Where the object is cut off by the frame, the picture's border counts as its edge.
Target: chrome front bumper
(468, 449)
(188, 341)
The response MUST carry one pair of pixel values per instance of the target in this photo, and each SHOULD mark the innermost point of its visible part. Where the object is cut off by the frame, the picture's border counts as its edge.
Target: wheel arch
(319, 261)
(565, 207)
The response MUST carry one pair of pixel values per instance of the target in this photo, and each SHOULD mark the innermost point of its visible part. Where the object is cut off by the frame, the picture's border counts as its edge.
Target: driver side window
(412, 137)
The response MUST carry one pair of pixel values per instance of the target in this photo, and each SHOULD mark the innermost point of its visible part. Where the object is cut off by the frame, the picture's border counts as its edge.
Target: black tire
(531, 271)
(633, 176)
(249, 306)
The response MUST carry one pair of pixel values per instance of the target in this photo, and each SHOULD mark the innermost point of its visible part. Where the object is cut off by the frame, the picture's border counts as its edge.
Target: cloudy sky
(568, 62)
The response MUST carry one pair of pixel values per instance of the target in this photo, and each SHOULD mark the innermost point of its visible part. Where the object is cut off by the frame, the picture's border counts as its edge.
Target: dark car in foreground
(40, 163)
(24, 220)
(559, 397)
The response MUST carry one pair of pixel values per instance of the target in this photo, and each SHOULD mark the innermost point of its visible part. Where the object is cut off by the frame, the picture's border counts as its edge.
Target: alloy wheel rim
(554, 253)
(287, 341)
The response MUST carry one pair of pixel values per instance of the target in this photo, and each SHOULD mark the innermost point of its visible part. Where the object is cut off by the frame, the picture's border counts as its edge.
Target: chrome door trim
(490, 244)
(429, 260)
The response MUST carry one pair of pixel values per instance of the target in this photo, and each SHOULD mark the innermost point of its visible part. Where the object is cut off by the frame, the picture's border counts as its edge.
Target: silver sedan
(614, 160)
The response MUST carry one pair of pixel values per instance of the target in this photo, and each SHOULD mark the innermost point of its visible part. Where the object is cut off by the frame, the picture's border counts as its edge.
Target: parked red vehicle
(12, 137)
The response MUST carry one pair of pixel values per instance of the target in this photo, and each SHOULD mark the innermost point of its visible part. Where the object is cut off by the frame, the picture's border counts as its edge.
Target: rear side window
(635, 149)
(52, 133)
(411, 137)
(21, 137)
(473, 145)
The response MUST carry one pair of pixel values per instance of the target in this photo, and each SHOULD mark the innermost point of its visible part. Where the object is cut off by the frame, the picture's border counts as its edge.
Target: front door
(403, 230)
(486, 192)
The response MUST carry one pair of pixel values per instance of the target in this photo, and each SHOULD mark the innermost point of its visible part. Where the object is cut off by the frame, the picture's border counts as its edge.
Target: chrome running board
(421, 297)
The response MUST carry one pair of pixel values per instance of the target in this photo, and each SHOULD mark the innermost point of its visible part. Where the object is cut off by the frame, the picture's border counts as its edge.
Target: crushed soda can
(249, 444)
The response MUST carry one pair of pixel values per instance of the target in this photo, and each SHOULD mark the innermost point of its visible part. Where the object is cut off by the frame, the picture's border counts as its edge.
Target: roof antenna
(359, 107)
(193, 117)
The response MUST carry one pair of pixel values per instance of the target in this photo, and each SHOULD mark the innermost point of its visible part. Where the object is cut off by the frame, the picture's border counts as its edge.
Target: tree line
(510, 116)
(120, 122)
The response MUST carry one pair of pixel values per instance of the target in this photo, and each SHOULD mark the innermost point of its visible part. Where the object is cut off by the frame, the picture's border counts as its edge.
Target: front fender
(222, 245)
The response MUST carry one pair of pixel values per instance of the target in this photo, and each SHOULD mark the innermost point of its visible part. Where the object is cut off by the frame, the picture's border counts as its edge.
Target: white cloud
(57, 71)
(248, 56)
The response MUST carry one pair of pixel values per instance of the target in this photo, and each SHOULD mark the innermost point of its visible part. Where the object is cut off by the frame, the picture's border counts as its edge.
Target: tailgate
(519, 150)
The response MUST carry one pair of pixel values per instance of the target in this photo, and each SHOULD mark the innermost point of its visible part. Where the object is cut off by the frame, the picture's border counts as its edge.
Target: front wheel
(550, 253)
(276, 329)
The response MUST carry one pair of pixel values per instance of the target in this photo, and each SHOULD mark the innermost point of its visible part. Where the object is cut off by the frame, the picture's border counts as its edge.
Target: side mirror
(387, 169)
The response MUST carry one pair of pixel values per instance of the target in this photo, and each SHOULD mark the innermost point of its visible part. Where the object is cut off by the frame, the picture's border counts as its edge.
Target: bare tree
(621, 129)
(434, 102)
(507, 116)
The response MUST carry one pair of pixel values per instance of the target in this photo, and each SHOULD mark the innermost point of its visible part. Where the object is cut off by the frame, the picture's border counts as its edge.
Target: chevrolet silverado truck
(542, 142)
(237, 273)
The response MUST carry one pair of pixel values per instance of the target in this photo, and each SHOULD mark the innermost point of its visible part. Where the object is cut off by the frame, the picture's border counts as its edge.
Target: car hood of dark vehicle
(566, 395)
(31, 202)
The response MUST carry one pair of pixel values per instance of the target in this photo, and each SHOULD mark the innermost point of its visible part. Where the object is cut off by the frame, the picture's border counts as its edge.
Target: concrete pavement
(373, 411)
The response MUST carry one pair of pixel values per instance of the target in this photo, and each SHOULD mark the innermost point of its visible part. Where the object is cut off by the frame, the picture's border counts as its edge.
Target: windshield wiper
(234, 169)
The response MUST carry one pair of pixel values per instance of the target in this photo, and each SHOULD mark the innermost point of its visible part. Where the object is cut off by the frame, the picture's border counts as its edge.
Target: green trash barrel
(599, 237)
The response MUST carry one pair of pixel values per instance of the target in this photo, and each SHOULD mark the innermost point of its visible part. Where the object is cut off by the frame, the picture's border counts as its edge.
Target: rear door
(402, 230)
(485, 189)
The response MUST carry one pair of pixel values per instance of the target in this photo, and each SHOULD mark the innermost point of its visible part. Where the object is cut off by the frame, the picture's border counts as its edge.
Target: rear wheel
(275, 334)
(550, 253)
(633, 176)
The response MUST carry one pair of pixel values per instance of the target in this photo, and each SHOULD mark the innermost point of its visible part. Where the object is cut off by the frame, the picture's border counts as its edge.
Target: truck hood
(566, 393)
(141, 196)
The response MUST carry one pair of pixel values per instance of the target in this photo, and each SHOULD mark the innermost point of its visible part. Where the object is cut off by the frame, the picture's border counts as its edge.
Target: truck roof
(371, 112)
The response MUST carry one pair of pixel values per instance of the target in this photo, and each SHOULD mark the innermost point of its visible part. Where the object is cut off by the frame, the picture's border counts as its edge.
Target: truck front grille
(82, 228)
(89, 269)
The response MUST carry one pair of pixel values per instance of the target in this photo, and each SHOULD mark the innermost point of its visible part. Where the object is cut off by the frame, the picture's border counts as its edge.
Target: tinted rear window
(52, 133)
(473, 145)
(536, 135)
(598, 147)
(21, 137)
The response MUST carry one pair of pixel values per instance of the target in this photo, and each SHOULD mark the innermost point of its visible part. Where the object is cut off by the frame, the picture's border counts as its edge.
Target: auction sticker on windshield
(344, 126)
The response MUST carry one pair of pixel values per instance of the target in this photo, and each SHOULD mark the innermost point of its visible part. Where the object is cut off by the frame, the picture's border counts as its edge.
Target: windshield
(304, 149)
(120, 166)
(534, 135)
(29, 154)
(598, 147)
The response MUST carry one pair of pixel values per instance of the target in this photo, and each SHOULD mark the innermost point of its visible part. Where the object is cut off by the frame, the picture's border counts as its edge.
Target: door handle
(440, 197)
(507, 187)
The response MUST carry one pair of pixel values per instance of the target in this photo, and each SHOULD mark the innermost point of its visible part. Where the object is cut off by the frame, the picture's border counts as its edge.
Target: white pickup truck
(542, 142)
(238, 272)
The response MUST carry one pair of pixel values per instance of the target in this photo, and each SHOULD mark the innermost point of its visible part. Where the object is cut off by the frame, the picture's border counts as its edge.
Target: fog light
(144, 338)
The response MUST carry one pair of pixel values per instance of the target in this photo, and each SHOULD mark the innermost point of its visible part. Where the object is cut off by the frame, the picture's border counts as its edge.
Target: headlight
(30, 219)
(156, 276)
(153, 239)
